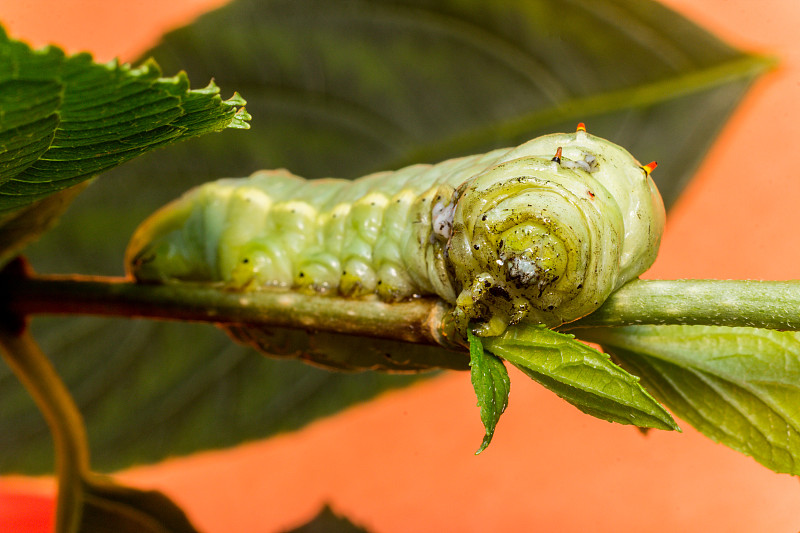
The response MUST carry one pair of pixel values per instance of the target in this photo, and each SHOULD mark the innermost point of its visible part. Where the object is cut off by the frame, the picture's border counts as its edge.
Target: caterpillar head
(547, 238)
(161, 250)
(177, 242)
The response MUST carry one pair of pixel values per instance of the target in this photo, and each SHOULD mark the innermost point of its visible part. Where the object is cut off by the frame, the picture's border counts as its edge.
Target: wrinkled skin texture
(505, 236)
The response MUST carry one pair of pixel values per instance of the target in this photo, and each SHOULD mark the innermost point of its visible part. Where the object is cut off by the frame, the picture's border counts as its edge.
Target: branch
(746, 303)
(761, 304)
(62, 415)
(418, 321)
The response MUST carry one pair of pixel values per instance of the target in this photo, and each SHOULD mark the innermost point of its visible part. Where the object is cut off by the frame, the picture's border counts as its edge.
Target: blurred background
(404, 462)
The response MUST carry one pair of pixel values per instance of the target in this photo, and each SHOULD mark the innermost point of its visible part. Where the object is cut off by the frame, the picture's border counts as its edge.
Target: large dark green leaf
(328, 522)
(148, 390)
(112, 508)
(342, 88)
(345, 87)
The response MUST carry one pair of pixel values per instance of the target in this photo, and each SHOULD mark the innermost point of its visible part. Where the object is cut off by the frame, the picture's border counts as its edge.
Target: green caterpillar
(504, 236)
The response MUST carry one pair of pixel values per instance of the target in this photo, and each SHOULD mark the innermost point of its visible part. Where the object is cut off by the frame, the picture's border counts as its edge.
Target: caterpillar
(542, 232)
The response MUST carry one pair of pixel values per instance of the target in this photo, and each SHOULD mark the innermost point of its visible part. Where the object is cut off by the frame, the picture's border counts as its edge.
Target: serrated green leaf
(738, 386)
(66, 119)
(342, 89)
(491, 384)
(579, 374)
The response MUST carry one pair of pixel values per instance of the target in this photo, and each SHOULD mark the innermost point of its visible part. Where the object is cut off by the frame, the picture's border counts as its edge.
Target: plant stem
(760, 304)
(36, 372)
(747, 303)
(418, 321)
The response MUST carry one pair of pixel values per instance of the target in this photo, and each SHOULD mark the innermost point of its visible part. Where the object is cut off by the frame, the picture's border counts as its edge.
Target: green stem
(418, 321)
(66, 424)
(759, 304)
(756, 304)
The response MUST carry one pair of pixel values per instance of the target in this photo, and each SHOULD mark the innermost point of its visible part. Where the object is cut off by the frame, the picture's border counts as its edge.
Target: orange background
(404, 462)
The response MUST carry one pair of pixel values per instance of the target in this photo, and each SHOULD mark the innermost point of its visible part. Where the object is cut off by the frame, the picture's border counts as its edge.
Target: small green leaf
(579, 374)
(492, 386)
(738, 386)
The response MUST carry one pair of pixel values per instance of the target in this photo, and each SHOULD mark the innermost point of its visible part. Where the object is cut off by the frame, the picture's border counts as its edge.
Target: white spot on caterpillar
(588, 163)
(442, 218)
(523, 269)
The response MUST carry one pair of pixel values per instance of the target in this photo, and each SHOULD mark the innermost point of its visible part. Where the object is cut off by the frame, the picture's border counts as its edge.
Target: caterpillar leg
(471, 306)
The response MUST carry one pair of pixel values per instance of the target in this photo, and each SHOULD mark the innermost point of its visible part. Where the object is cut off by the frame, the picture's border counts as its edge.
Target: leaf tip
(211, 88)
(150, 68)
(236, 100)
(240, 120)
(485, 444)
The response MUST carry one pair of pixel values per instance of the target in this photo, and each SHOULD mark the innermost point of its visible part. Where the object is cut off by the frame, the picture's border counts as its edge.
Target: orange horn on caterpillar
(649, 167)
